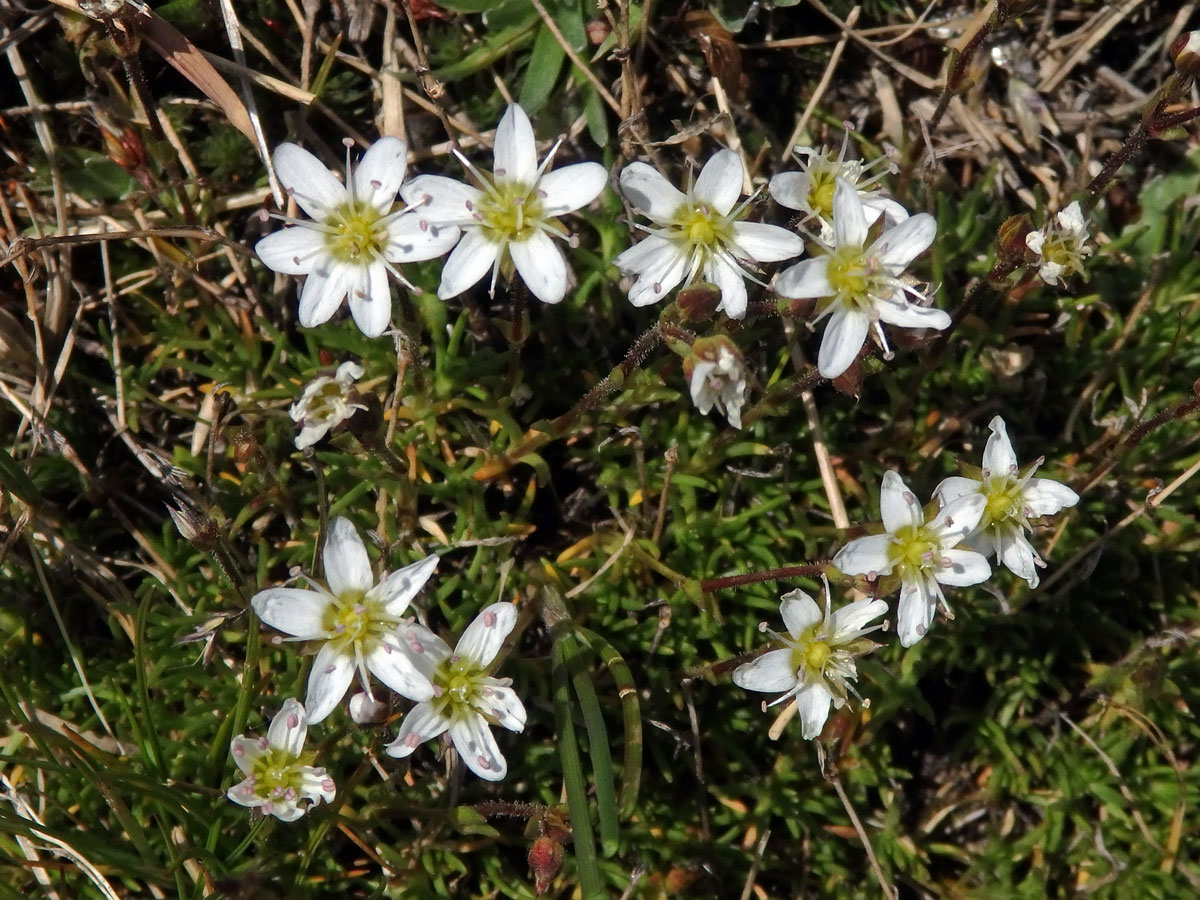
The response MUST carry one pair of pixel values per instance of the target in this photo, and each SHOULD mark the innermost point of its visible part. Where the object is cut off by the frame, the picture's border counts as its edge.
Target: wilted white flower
(1011, 500)
(860, 287)
(921, 553)
(1061, 245)
(1185, 51)
(816, 664)
(811, 190)
(354, 239)
(717, 376)
(360, 622)
(511, 218)
(698, 232)
(279, 774)
(325, 404)
(466, 699)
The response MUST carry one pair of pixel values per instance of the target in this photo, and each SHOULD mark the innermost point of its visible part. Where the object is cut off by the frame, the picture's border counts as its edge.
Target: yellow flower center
(1004, 499)
(460, 680)
(912, 548)
(359, 233)
(278, 772)
(701, 226)
(820, 194)
(353, 619)
(849, 274)
(512, 211)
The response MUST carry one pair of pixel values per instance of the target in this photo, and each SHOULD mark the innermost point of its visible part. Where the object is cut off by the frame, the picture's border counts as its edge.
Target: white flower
(816, 664)
(811, 190)
(354, 239)
(1011, 500)
(511, 218)
(359, 621)
(718, 377)
(860, 287)
(279, 774)
(325, 404)
(921, 553)
(1061, 245)
(466, 699)
(698, 232)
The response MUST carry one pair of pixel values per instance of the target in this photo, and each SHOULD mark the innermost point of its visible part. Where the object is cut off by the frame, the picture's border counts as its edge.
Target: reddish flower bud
(545, 861)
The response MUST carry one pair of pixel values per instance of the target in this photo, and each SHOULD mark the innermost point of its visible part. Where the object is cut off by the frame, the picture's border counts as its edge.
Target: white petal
(877, 206)
(958, 518)
(731, 281)
(348, 373)
(286, 810)
(865, 555)
(567, 189)
(964, 568)
(720, 181)
(918, 603)
(1018, 556)
(423, 723)
(380, 172)
(392, 664)
(412, 238)
(901, 244)
(347, 566)
(439, 200)
(800, 612)
(771, 673)
(475, 744)
(289, 728)
(766, 243)
(484, 636)
(898, 506)
(243, 793)
(665, 265)
(812, 705)
(650, 193)
(315, 188)
(844, 337)
(245, 751)
(998, 455)
(323, 292)
(372, 310)
(791, 189)
(898, 311)
(541, 266)
(292, 251)
(472, 259)
(332, 672)
(849, 218)
(1045, 497)
(954, 487)
(807, 278)
(854, 616)
(515, 152)
(311, 433)
(425, 649)
(982, 542)
(398, 589)
(293, 611)
(702, 395)
(502, 704)
(367, 710)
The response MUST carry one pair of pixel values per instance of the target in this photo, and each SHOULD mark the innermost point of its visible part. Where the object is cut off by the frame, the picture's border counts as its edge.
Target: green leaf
(14, 480)
(469, 820)
(540, 76)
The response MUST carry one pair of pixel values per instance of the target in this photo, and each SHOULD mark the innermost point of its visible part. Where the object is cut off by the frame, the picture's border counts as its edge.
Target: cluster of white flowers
(361, 627)
(918, 552)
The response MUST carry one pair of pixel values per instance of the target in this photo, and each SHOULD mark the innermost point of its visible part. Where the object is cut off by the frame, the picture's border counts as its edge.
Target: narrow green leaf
(631, 715)
(542, 73)
(14, 480)
(598, 749)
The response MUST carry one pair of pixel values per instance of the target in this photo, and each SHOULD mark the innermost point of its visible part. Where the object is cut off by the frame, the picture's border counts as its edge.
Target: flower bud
(545, 861)
(716, 375)
(1010, 238)
(698, 302)
(1185, 52)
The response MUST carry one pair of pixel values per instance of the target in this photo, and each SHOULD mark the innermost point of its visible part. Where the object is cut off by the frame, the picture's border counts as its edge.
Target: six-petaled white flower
(360, 622)
(466, 699)
(698, 232)
(511, 218)
(859, 286)
(1011, 500)
(280, 776)
(1061, 246)
(816, 663)
(325, 404)
(811, 190)
(354, 239)
(717, 377)
(922, 554)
